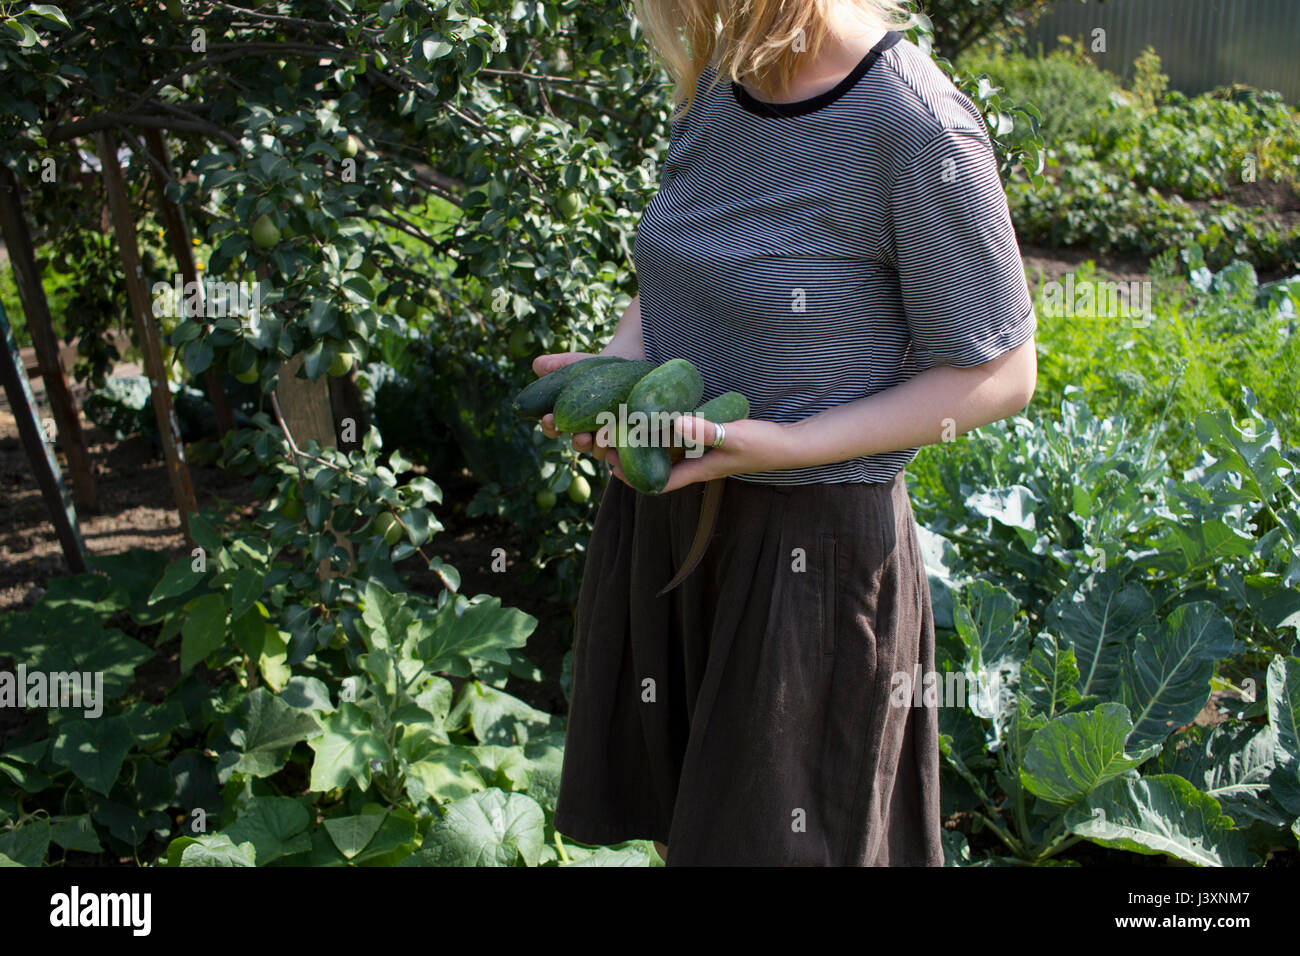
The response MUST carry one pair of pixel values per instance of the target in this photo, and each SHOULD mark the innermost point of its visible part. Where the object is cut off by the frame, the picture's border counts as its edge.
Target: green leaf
(996, 639)
(385, 613)
(205, 534)
(395, 840)
(49, 11)
(636, 855)
(939, 558)
(1283, 683)
(1161, 813)
(217, 849)
(1075, 753)
(28, 844)
(179, 578)
(263, 730)
(75, 833)
(93, 750)
(26, 35)
(318, 359)
(507, 767)
(491, 828)
(131, 824)
(495, 717)
(204, 629)
(434, 49)
(276, 826)
(1256, 456)
(151, 722)
(1013, 506)
(1050, 676)
(19, 764)
(443, 774)
(1207, 544)
(273, 662)
(545, 761)
(462, 630)
(244, 591)
(197, 354)
(352, 834)
(308, 693)
(1096, 617)
(345, 749)
(1232, 763)
(175, 850)
(1165, 678)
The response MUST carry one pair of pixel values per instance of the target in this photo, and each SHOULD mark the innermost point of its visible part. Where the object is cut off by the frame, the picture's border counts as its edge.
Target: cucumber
(645, 467)
(727, 407)
(539, 396)
(594, 390)
(675, 386)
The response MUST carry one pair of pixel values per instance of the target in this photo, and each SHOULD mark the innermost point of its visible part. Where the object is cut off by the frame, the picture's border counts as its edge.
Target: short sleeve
(963, 282)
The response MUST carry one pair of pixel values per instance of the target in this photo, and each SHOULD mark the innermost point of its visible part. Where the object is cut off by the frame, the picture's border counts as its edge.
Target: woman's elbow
(1020, 374)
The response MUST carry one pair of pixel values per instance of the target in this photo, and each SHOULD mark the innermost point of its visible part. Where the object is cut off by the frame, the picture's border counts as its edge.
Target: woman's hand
(584, 442)
(749, 445)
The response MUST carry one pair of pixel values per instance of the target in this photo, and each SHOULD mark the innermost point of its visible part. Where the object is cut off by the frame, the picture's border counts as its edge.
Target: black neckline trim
(814, 103)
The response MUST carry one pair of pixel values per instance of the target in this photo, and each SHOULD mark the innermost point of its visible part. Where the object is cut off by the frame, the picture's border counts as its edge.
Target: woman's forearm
(936, 405)
(627, 341)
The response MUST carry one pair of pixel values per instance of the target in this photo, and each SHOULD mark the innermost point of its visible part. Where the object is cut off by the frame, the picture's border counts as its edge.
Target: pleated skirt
(745, 718)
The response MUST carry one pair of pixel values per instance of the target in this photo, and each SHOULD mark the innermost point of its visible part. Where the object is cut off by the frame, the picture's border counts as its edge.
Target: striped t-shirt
(812, 253)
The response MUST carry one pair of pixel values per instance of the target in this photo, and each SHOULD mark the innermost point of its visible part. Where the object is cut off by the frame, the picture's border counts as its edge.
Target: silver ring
(720, 437)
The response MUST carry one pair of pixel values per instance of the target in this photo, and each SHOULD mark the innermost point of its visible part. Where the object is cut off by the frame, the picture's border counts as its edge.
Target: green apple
(251, 374)
(405, 308)
(579, 489)
(265, 232)
(291, 507)
(545, 500)
(348, 146)
(570, 204)
(369, 268)
(386, 525)
(342, 364)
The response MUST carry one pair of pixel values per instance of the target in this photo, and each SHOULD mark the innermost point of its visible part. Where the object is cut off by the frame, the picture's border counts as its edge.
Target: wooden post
(345, 399)
(36, 441)
(306, 405)
(178, 237)
(147, 331)
(41, 327)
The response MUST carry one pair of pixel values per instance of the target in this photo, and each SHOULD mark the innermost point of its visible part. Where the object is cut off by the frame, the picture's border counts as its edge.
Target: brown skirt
(744, 718)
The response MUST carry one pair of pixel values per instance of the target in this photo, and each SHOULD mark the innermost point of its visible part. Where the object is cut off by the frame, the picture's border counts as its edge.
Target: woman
(830, 238)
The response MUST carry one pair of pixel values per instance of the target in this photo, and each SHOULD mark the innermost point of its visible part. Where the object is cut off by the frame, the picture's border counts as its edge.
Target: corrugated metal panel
(1202, 43)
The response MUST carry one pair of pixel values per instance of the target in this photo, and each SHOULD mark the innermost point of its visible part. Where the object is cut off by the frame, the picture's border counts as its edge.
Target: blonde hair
(754, 40)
